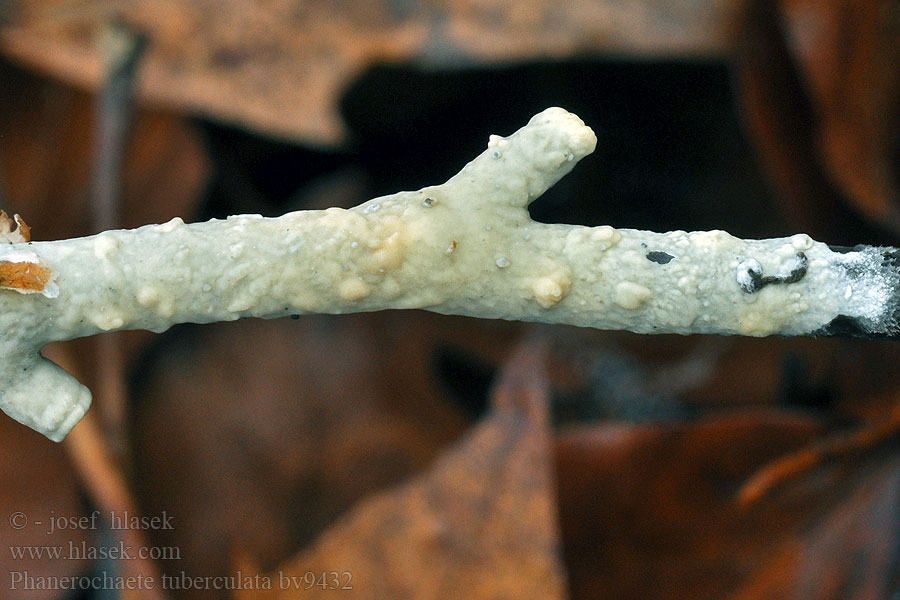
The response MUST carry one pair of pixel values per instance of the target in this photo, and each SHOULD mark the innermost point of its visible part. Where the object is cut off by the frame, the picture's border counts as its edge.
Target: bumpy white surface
(466, 247)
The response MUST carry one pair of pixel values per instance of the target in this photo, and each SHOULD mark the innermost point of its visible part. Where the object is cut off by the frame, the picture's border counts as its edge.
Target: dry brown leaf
(861, 444)
(279, 66)
(851, 552)
(480, 524)
(848, 52)
(821, 91)
(649, 511)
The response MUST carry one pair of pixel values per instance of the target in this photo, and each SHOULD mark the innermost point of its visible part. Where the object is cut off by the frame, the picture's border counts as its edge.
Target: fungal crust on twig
(465, 247)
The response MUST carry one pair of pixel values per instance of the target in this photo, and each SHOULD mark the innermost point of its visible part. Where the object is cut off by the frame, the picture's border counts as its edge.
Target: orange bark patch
(23, 276)
(23, 228)
(21, 233)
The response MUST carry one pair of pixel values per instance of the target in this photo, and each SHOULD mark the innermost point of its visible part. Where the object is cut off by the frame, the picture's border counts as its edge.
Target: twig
(466, 247)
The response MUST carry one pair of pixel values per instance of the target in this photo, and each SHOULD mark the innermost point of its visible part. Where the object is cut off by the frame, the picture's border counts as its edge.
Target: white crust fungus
(465, 247)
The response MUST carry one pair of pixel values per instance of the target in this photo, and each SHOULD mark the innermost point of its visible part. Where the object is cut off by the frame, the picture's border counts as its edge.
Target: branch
(466, 247)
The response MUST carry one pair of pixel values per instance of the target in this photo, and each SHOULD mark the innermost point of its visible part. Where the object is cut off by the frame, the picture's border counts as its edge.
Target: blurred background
(389, 448)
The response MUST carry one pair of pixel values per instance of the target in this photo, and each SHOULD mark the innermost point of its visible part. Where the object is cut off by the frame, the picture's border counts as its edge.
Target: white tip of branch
(528, 162)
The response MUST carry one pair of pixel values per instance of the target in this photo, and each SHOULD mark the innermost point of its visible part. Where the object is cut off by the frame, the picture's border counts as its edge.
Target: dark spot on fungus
(662, 258)
(758, 282)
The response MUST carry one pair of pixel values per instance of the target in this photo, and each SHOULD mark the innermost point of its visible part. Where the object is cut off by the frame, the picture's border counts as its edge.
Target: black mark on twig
(751, 279)
(661, 258)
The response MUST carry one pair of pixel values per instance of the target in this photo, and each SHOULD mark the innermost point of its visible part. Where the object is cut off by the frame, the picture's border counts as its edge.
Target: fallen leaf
(851, 552)
(480, 523)
(280, 66)
(648, 511)
(847, 52)
(821, 93)
(857, 445)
